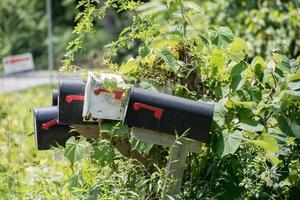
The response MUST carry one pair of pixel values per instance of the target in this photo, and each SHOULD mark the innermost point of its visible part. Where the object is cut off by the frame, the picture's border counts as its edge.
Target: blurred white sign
(18, 63)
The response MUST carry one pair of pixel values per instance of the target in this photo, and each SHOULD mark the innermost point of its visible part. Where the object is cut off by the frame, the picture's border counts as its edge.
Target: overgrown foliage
(254, 150)
(254, 143)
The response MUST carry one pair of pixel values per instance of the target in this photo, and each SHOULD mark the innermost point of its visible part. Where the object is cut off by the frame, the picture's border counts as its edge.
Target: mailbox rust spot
(118, 94)
(88, 116)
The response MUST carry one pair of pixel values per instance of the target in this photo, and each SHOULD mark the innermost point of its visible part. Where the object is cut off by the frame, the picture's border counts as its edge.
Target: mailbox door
(48, 133)
(70, 102)
(169, 114)
(103, 104)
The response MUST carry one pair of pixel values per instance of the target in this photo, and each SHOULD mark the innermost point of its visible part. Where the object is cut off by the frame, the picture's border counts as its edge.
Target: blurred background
(24, 29)
(267, 25)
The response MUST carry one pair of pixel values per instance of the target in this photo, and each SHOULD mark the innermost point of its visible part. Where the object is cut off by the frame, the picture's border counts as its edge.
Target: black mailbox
(70, 101)
(169, 114)
(48, 133)
(54, 97)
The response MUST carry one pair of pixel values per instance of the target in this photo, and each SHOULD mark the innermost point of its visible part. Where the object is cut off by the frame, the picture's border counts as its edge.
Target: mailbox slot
(169, 114)
(101, 103)
(48, 133)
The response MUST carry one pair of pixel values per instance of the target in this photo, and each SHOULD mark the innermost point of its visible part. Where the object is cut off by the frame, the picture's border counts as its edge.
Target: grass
(24, 171)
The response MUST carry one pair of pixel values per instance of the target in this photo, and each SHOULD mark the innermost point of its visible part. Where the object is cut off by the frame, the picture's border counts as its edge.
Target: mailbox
(168, 114)
(70, 101)
(54, 97)
(102, 103)
(48, 133)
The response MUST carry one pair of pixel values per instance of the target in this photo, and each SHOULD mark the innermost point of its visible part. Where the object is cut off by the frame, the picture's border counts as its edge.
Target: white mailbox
(104, 103)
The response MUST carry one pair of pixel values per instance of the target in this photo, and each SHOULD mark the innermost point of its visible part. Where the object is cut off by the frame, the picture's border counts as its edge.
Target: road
(25, 80)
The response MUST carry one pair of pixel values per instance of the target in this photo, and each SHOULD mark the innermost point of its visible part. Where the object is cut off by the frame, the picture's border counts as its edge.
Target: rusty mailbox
(102, 103)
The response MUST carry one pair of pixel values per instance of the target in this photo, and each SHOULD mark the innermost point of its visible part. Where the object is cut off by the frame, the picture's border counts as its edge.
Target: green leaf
(282, 62)
(110, 84)
(251, 126)
(258, 65)
(217, 59)
(295, 77)
(76, 150)
(292, 93)
(203, 38)
(294, 86)
(237, 80)
(229, 142)
(258, 60)
(167, 56)
(255, 93)
(143, 50)
(268, 143)
(238, 49)
(295, 129)
(129, 67)
(114, 128)
(241, 104)
(221, 37)
(76, 180)
(244, 113)
(284, 125)
(103, 154)
(219, 114)
(140, 146)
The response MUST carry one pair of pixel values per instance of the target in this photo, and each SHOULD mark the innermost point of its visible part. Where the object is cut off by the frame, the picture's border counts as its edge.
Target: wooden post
(178, 154)
(175, 169)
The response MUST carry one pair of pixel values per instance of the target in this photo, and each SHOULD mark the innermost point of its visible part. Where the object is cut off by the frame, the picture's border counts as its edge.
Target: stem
(183, 17)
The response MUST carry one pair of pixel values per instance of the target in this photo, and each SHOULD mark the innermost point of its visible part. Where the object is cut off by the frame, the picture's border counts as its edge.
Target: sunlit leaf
(129, 67)
(295, 77)
(110, 84)
(238, 49)
(218, 59)
(267, 142)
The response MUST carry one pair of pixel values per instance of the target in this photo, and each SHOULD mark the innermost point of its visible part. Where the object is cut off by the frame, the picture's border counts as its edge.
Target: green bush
(254, 143)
